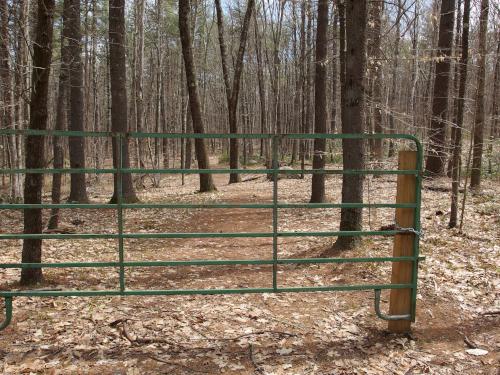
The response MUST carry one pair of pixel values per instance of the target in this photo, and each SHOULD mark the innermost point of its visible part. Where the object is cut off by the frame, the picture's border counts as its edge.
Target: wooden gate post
(400, 299)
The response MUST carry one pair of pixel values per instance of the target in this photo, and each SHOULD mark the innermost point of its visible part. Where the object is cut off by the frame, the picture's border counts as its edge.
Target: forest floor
(457, 330)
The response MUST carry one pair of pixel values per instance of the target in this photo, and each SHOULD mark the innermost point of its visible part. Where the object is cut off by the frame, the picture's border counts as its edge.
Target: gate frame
(411, 286)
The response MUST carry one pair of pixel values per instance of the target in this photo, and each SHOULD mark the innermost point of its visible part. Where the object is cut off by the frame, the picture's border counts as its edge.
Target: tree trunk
(21, 111)
(295, 126)
(342, 45)
(119, 113)
(333, 114)
(414, 101)
(232, 92)
(61, 117)
(206, 181)
(353, 149)
(78, 190)
(495, 118)
(35, 145)
(309, 80)
(97, 118)
(456, 84)
(477, 157)
(374, 52)
(436, 154)
(395, 66)
(138, 78)
(264, 145)
(7, 116)
(320, 106)
(303, 85)
(457, 146)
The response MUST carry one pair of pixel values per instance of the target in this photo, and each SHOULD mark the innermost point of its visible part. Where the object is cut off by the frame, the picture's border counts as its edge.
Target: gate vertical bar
(119, 200)
(8, 313)
(275, 210)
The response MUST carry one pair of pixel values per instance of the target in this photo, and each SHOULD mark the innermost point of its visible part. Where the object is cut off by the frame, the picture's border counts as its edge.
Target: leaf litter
(310, 333)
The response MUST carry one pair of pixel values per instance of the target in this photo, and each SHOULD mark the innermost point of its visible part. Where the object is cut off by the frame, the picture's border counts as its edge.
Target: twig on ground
(279, 333)
(236, 338)
(177, 364)
(495, 312)
(117, 322)
(469, 343)
(251, 179)
(288, 323)
(125, 333)
(258, 369)
(190, 327)
(138, 341)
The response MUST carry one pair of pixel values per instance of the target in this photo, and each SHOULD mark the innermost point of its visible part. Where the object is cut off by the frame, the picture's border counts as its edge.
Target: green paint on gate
(274, 287)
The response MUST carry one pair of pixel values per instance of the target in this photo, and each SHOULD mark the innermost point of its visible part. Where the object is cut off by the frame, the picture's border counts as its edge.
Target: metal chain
(410, 230)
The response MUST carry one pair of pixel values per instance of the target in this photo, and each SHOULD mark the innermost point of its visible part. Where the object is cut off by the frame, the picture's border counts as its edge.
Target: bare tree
(435, 163)
(264, 149)
(477, 157)
(206, 181)
(334, 73)
(61, 116)
(7, 119)
(320, 106)
(233, 91)
(395, 67)
(35, 145)
(304, 80)
(342, 55)
(456, 82)
(119, 113)
(495, 118)
(78, 190)
(457, 141)
(353, 150)
(376, 9)
(138, 77)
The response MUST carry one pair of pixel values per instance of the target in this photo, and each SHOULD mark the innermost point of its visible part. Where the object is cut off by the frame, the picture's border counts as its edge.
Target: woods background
(256, 66)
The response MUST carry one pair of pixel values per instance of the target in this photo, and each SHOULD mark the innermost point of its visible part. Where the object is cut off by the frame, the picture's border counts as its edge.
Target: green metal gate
(275, 206)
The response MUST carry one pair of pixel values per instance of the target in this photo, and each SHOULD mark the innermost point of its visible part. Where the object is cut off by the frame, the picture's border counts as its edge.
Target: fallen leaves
(263, 334)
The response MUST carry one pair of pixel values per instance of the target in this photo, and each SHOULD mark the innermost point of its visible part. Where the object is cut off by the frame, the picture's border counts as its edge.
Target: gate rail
(275, 171)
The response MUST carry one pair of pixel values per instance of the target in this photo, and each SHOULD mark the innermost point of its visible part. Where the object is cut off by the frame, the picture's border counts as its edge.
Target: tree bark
(138, 79)
(21, 111)
(342, 45)
(7, 115)
(495, 118)
(477, 156)
(320, 105)
(119, 113)
(303, 84)
(436, 157)
(35, 145)
(333, 114)
(395, 66)
(456, 83)
(264, 146)
(353, 150)
(374, 52)
(232, 92)
(206, 181)
(78, 189)
(61, 117)
(457, 142)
